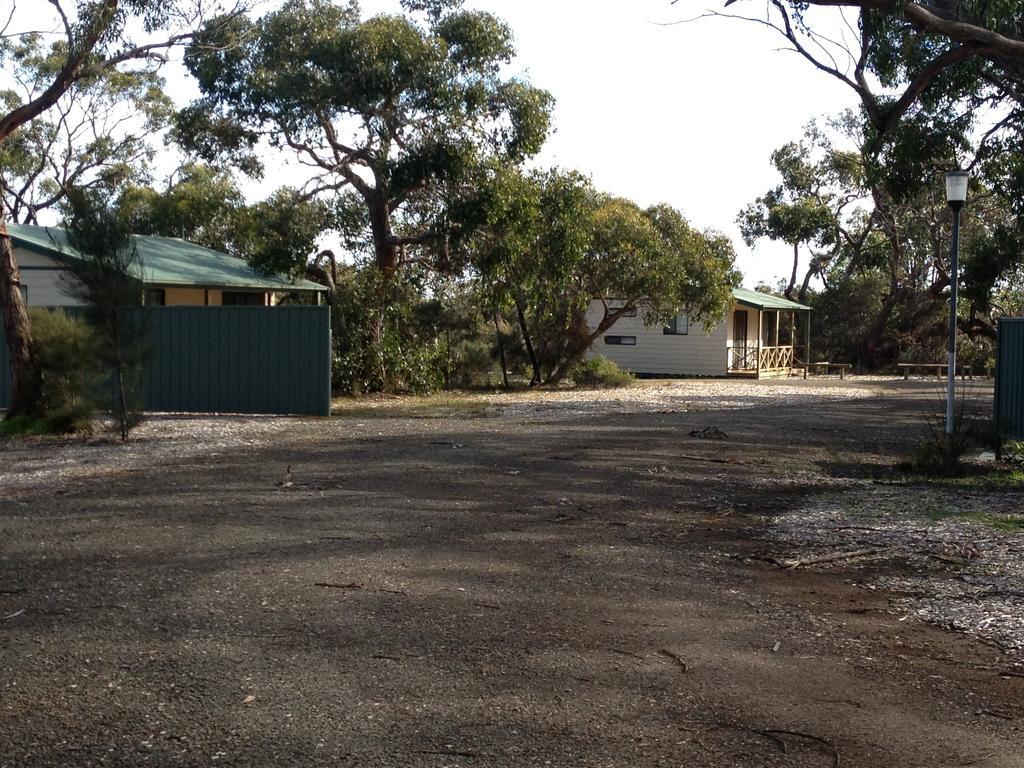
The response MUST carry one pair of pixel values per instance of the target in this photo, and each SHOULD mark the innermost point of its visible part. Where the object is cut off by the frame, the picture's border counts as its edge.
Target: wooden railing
(776, 358)
(743, 358)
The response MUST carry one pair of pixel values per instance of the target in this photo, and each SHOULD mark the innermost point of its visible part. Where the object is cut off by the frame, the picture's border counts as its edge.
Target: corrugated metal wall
(1009, 395)
(233, 360)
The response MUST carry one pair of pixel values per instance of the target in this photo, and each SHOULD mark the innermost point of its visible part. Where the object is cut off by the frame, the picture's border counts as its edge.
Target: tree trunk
(26, 379)
(529, 345)
(801, 297)
(386, 252)
(585, 342)
(122, 396)
(788, 293)
(873, 336)
(501, 350)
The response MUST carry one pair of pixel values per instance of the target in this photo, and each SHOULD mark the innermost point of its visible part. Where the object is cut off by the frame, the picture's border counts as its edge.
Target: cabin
(220, 338)
(757, 338)
(173, 272)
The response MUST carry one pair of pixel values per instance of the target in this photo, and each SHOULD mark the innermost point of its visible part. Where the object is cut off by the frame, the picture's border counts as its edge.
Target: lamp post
(956, 196)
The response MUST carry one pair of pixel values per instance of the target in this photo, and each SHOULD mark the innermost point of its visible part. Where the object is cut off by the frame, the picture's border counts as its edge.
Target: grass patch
(972, 479)
(1011, 523)
(22, 426)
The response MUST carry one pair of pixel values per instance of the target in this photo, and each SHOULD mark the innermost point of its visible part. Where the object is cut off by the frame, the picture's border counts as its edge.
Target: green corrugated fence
(232, 360)
(1009, 394)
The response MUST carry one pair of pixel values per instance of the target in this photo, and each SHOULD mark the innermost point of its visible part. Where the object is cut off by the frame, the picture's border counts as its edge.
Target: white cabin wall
(694, 354)
(41, 276)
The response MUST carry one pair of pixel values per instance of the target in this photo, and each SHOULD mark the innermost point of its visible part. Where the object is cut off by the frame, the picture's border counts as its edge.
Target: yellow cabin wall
(177, 297)
(191, 297)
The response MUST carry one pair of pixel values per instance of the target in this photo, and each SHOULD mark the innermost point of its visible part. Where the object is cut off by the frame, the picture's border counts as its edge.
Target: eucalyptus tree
(94, 40)
(390, 112)
(97, 134)
(914, 66)
(819, 205)
(552, 245)
(205, 205)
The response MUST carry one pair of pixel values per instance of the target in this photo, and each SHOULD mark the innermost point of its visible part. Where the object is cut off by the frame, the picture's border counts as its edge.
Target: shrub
(66, 351)
(599, 371)
(939, 453)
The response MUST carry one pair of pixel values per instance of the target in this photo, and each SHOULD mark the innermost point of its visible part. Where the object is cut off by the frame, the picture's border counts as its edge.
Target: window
(242, 299)
(624, 340)
(616, 304)
(154, 297)
(678, 325)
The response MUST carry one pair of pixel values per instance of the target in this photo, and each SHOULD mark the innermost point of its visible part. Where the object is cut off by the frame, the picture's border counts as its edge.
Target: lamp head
(956, 187)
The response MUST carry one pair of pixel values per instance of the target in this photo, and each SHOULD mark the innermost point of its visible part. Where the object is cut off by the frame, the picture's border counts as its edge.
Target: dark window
(770, 320)
(678, 325)
(624, 340)
(614, 305)
(242, 299)
(154, 297)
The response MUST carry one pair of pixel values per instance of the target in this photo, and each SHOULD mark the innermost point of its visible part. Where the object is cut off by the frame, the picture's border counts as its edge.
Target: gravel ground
(176, 438)
(564, 578)
(961, 554)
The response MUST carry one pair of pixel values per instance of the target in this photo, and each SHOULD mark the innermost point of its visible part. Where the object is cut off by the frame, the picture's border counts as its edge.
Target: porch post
(778, 322)
(760, 333)
(807, 339)
(792, 340)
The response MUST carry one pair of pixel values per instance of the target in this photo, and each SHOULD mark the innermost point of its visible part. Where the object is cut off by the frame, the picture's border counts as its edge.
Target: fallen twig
(675, 657)
(994, 713)
(13, 615)
(707, 459)
(16, 591)
(351, 585)
(832, 557)
(488, 606)
(448, 752)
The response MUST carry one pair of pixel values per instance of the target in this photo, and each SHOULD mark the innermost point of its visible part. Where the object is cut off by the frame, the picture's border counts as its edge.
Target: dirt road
(472, 586)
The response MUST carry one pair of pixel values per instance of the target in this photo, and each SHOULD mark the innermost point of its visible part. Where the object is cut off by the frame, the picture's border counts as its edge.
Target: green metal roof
(169, 261)
(760, 300)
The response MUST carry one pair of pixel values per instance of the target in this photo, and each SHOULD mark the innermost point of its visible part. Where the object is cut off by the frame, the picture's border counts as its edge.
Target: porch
(763, 333)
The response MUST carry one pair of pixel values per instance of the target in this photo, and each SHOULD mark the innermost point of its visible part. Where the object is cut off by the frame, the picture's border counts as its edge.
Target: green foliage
(66, 350)
(383, 349)
(105, 279)
(202, 204)
(98, 134)
(549, 244)
(600, 372)
(393, 112)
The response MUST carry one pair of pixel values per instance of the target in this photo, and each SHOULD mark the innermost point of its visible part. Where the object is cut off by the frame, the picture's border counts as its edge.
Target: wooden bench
(940, 369)
(824, 365)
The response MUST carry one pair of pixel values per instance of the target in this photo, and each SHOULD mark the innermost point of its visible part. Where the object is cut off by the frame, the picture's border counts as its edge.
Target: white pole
(954, 271)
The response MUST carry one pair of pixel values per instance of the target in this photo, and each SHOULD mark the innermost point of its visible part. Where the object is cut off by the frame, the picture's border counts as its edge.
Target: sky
(686, 114)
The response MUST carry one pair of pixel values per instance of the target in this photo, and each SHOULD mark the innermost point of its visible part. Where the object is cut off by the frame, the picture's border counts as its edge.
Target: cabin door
(739, 340)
